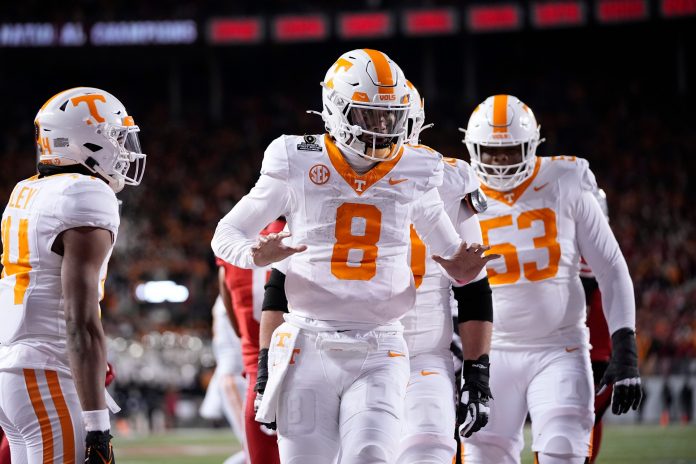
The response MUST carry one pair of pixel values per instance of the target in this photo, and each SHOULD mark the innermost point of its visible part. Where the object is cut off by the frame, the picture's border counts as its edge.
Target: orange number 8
(346, 241)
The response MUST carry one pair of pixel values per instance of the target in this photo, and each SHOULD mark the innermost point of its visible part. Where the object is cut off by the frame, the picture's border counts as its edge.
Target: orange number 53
(348, 215)
(22, 266)
(509, 252)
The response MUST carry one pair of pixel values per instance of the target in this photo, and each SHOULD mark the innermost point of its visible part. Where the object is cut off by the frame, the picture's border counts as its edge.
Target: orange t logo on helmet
(90, 99)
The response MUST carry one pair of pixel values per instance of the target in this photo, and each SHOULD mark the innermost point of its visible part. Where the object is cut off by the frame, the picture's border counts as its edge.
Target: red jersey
(600, 339)
(246, 289)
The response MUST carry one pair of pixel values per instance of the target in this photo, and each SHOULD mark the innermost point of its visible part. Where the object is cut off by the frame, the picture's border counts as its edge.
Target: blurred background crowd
(621, 96)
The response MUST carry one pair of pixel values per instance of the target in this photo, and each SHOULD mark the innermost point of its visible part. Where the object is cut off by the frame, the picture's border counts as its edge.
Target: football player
(430, 407)
(225, 392)
(58, 231)
(245, 287)
(600, 339)
(542, 216)
(339, 365)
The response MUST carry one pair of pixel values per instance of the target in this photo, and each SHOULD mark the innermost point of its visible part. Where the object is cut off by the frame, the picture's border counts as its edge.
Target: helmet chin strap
(115, 184)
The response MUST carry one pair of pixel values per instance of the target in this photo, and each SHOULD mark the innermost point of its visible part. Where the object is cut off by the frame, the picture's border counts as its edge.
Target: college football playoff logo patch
(309, 144)
(319, 174)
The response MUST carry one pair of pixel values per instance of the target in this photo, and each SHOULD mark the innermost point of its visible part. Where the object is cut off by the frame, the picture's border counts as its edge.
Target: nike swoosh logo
(395, 354)
(396, 181)
(536, 189)
(570, 350)
(424, 373)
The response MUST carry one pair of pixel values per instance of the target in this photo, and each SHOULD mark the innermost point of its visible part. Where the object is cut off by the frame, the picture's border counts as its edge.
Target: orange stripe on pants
(66, 425)
(41, 415)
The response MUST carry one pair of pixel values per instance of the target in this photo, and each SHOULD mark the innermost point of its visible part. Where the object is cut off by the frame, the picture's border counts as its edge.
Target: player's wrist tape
(474, 301)
(274, 298)
(624, 350)
(96, 421)
(262, 376)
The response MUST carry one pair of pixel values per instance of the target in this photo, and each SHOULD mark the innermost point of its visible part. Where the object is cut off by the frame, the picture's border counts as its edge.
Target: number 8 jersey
(32, 331)
(356, 227)
(541, 228)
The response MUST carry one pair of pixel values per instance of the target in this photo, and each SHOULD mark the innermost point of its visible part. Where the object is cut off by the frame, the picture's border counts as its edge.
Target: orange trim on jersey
(500, 113)
(384, 73)
(461, 450)
(41, 415)
(509, 198)
(66, 425)
(417, 257)
(359, 183)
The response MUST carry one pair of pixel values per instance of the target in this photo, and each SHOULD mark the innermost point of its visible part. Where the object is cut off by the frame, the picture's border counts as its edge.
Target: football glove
(622, 372)
(98, 448)
(473, 410)
(260, 387)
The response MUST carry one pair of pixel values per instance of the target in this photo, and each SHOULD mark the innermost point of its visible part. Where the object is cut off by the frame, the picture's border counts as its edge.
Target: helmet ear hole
(93, 147)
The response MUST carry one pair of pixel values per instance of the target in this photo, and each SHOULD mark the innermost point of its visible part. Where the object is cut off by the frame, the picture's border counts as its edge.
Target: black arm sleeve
(474, 301)
(274, 298)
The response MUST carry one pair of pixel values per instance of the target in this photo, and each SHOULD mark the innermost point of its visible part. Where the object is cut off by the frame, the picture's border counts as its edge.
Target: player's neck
(359, 164)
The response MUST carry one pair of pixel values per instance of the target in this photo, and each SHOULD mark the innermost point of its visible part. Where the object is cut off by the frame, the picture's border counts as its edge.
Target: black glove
(98, 448)
(622, 372)
(473, 410)
(261, 381)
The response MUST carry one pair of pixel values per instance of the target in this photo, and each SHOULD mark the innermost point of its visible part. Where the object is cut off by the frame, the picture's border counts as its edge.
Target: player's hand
(98, 448)
(473, 410)
(270, 249)
(467, 262)
(260, 388)
(622, 372)
(110, 374)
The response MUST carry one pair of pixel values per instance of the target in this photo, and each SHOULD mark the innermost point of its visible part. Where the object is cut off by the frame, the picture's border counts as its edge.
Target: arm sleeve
(469, 229)
(237, 232)
(434, 226)
(601, 250)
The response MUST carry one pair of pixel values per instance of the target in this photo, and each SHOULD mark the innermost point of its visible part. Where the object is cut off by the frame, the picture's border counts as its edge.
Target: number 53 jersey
(541, 228)
(355, 227)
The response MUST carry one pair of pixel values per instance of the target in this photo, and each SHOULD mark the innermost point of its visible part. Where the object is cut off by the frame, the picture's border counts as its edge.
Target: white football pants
(41, 416)
(555, 386)
(430, 411)
(343, 391)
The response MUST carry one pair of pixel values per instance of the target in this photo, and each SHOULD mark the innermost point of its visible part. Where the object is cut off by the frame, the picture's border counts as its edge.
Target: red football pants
(4, 449)
(262, 448)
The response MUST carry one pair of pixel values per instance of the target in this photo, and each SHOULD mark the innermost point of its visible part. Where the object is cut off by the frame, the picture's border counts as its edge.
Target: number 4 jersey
(32, 331)
(355, 227)
(541, 228)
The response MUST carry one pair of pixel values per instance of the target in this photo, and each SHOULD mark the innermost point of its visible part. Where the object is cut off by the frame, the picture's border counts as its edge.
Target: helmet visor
(384, 124)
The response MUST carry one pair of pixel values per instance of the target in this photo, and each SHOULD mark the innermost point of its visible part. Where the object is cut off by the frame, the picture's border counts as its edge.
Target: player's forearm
(270, 320)
(433, 225)
(237, 232)
(87, 356)
(618, 299)
(476, 338)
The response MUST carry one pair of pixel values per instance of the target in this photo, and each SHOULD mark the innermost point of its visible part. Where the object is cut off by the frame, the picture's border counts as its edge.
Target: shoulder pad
(275, 158)
(576, 167)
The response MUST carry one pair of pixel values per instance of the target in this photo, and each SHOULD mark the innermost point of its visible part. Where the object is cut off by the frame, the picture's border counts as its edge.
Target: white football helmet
(365, 103)
(416, 115)
(90, 127)
(503, 121)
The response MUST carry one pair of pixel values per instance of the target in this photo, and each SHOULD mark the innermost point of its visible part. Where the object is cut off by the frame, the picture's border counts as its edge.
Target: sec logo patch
(319, 174)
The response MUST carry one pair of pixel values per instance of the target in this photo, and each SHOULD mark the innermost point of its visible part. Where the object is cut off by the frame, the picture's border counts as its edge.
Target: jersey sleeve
(87, 202)
(459, 180)
(469, 229)
(433, 225)
(237, 232)
(601, 250)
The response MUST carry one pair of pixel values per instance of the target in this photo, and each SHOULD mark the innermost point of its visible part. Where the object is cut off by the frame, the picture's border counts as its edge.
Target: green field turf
(622, 445)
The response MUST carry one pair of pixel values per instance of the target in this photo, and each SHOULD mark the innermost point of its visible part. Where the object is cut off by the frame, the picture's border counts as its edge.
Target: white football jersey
(356, 227)
(540, 228)
(32, 332)
(428, 326)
